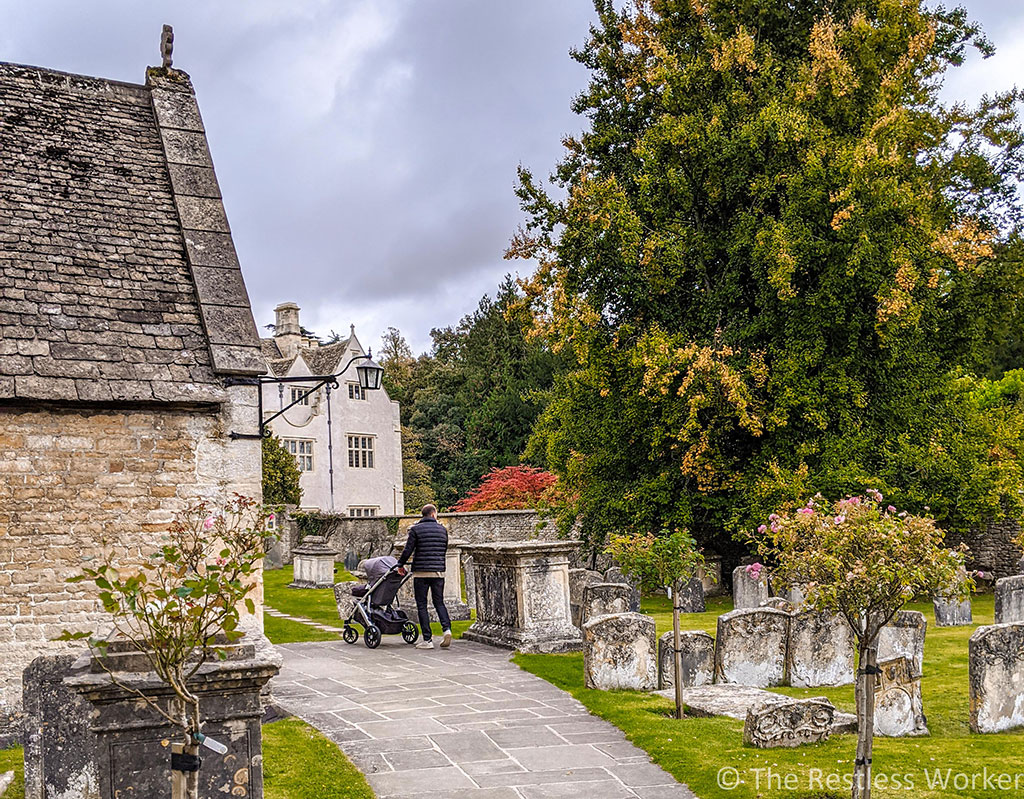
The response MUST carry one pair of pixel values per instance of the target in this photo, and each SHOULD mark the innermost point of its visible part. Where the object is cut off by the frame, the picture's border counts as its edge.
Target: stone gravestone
(899, 709)
(904, 637)
(698, 656)
(996, 666)
(522, 596)
(1010, 599)
(313, 561)
(579, 579)
(789, 723)
(820, 651)
(619, 653)
(779, 603)
(600, 599)
(346, 602)
(750, 648)
(129, 743)
(691, 597)
(951, 613)
(746, 591)
(615, 575)
(60, 749)
(467, 571)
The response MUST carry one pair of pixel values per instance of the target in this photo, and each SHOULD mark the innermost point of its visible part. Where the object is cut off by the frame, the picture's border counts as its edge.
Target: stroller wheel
(350, 635)
(371, 637)
(410, 632)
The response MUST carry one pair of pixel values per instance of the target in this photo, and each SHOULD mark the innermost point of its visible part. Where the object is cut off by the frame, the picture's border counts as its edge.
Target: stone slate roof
(109, 290)
(325, 360)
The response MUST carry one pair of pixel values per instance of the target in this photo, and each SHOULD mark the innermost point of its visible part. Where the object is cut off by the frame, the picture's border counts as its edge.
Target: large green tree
(775, 259)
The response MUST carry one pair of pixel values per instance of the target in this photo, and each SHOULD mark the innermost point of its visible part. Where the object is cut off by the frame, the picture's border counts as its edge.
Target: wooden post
(184, 784)
(677, 655)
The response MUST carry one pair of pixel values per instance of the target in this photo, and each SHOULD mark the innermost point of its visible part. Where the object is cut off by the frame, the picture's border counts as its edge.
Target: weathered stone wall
(992, 547)
(71, 480)
(369, 537)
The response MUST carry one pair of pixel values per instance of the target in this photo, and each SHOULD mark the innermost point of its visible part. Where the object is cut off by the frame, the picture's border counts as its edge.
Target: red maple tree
(510, 488)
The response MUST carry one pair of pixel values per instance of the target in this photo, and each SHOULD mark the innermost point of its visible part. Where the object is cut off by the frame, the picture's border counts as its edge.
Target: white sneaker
(426, 645)
(447, 640)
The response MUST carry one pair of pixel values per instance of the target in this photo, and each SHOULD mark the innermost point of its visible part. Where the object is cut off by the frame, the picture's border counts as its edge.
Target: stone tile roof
(102, 254)
(325, 360)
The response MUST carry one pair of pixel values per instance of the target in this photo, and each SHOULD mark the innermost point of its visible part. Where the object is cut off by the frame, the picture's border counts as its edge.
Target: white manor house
(347, 441)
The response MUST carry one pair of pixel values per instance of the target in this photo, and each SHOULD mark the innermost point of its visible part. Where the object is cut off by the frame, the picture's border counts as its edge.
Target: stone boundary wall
(367, 537)
(992, 547)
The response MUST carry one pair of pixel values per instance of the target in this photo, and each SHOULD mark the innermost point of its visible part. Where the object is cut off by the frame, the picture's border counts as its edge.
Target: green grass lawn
(694, 750)
(14, 760)
(317, 604)
(300, 763)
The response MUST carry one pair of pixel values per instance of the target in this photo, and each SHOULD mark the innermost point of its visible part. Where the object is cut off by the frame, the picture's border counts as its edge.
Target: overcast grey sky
(367, 149)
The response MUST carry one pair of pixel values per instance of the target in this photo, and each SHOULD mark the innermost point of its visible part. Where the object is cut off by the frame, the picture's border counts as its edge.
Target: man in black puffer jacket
(428, 546)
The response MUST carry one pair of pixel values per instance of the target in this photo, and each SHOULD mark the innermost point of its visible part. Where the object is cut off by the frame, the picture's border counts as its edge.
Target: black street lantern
(370, 373)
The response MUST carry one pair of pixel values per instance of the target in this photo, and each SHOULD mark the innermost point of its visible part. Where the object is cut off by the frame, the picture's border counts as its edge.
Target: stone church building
(128, 350)
(347, 441)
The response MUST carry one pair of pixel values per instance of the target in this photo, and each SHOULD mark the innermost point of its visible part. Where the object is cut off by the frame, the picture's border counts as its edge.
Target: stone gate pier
(522, 596)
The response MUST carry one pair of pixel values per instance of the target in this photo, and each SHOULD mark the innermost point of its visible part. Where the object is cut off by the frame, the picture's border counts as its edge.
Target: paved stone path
(463, 723)
(301, 620)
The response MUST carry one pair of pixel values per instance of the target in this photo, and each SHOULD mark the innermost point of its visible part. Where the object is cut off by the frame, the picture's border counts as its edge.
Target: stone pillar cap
(314, 545)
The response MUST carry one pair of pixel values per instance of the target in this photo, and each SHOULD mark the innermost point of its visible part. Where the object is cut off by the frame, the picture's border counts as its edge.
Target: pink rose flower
(762, 529)
(891, 509)
(806, 511)
(840, 519)
(208, 523)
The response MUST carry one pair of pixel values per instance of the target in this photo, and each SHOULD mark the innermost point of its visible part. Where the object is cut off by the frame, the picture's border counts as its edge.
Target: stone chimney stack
(287, 331)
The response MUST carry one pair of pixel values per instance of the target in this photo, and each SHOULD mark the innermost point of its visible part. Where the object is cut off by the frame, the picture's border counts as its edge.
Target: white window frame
(356, 392)
(298, 391)
(361, 448)
(363, 511)
(302, 450)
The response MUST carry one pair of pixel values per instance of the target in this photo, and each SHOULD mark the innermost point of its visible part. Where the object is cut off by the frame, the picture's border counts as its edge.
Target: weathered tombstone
(710, 575)
(619, 653)
(1010, 599)
(522, 596)
(129, 747)
(996, 667)
(952, 613)
(779, 603)
(789, 723)
(615, 575)
(746, 591)
(313, 561)
(691, 597)
(750, 648)
(820, 650)
(579, 579)
(600, 599)
(899, 709)
(60, 749)
(467, 570)
(697, 650)
(904, 637)
(345, 601)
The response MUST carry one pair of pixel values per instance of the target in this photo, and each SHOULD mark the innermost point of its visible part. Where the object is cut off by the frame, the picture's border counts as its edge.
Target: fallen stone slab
(786, 724)
(734, 701)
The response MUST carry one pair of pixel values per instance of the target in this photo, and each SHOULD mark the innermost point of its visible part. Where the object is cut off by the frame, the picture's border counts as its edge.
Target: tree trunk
(867, 662)
(185, 784)
(677, 655)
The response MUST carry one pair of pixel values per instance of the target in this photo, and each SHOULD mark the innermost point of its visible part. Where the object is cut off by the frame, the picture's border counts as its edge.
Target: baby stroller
(377, 608)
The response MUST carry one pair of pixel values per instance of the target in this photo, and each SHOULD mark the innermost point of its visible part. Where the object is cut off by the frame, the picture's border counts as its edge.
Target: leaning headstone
(996, 667)
(750, 648)
(579, 579)
(697, 651)
(793, 722)
(61, 751)
(619, 653)
(748, 592)
(820, 651)
(691, 597)
(899, 709)
(904, 637)
(600, 599)
(313, 561)
(1010, 599)
(952, 613)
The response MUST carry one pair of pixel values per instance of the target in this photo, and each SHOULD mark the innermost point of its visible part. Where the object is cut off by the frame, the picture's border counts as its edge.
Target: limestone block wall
(73, 481)
(992, 547)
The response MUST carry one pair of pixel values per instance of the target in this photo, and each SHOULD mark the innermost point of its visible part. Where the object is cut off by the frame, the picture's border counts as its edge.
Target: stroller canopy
(378, 567)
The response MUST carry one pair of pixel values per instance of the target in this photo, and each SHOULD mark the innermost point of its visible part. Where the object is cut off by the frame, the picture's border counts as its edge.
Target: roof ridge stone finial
(167, 46)
(352, 330)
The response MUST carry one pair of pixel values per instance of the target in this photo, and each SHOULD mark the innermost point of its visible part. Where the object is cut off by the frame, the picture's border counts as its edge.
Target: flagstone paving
(463, 722)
